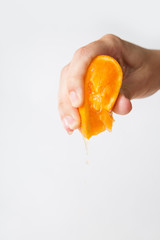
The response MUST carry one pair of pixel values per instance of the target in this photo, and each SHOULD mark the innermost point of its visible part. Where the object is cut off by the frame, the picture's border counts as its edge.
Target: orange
(102, 84)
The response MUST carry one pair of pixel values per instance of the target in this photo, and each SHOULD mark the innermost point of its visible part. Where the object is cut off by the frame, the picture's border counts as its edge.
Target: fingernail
(69, 123)
(70, 132)
(75, 97)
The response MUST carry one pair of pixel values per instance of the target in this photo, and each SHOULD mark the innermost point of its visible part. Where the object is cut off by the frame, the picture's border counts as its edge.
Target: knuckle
(111, 38)
(82, 52)
(60, 106)
(64, 70)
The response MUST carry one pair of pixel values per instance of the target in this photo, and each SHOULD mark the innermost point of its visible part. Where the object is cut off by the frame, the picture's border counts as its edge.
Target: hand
(141, 71)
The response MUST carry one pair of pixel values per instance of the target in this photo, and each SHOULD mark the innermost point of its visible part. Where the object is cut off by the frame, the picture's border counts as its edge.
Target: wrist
(154, 62)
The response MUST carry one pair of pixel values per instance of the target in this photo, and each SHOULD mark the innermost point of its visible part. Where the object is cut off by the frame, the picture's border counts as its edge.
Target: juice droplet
(86, 143)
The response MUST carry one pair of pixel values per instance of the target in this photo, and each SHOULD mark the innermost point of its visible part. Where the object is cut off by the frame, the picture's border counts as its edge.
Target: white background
(47, 191)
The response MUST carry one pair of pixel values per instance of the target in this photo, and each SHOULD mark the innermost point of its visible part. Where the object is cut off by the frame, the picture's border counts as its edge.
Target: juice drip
(86, 143)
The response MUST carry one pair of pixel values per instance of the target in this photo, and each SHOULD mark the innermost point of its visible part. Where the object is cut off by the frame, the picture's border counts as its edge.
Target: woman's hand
(141, 76)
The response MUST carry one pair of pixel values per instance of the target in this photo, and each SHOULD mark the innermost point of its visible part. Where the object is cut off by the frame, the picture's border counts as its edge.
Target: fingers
(122, 106)
(68, 114)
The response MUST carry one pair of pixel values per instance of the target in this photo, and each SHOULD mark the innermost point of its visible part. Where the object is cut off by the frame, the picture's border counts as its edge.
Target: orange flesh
(103, 81)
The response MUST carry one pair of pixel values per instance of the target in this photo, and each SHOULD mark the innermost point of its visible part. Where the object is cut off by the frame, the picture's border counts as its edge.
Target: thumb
(123, 105)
